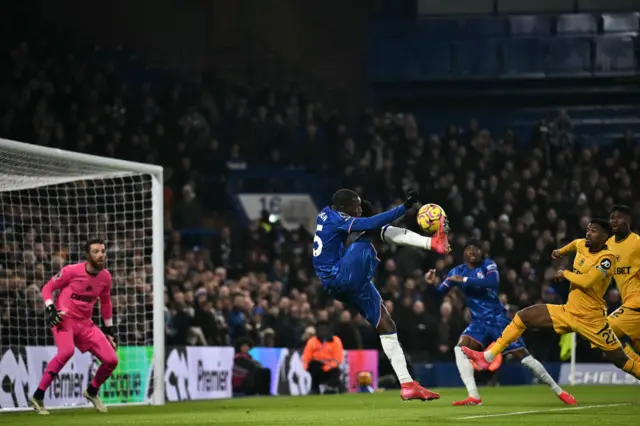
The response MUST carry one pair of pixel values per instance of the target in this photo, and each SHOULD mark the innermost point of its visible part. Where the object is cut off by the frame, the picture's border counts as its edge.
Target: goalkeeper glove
(54, 316)
(111, 336)
(412, 198)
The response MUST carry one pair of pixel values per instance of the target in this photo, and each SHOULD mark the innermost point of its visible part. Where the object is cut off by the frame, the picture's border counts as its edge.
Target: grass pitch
(527, 405)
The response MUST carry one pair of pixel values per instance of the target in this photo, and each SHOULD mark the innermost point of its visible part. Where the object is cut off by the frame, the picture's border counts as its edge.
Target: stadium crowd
(523, 198)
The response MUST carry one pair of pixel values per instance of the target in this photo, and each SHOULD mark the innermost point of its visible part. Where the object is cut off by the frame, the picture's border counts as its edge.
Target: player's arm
(106, 307)
(596, 274)
(491, 278)
(447, 284)
(572, 247)
(57, 282)
(355, 224)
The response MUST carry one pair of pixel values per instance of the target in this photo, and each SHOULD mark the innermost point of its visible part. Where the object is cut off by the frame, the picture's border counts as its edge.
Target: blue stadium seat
(615, 55)
(388, 60)
(620, 22)
(484, 27)
(436, 29)
(431, 60)
(530, 25)
(523, 56)
(569, 56)
(578, 23)
(477, 58)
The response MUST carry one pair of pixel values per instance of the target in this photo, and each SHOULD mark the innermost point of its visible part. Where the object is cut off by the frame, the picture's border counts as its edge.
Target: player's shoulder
(489, 265)
(581, 244)
(105, 273)
(330, 215)
(606, 259)
(74, 268)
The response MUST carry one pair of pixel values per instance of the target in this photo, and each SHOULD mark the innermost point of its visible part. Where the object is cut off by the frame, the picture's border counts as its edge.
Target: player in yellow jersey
(585, 311)
(625, 321)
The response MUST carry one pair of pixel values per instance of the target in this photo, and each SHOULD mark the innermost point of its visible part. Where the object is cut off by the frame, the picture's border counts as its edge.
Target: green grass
(368, 410)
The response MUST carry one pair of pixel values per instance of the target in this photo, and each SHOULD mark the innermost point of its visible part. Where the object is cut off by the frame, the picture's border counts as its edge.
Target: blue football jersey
(332, 229)
(481, 289)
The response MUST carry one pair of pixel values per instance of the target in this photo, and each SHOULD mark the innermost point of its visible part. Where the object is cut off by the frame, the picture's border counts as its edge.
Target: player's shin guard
(509, 335)
(466, 372)
(632, 368)
(393, 351)
(541, 373)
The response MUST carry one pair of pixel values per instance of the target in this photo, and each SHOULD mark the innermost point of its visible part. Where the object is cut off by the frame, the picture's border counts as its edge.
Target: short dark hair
(603, 223)
(343, 198)
(367, 208)
(89, 243)
(621, 208)
(474, 242)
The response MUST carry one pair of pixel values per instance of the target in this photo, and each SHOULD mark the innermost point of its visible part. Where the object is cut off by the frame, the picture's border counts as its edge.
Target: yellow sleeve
(572, 247)
(598, 272)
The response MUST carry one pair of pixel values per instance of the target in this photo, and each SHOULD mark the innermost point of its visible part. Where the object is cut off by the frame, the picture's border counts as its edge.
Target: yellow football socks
(509, 335)
(632, 368)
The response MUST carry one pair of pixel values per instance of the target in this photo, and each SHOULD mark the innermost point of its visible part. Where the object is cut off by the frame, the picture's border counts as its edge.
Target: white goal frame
(124, 168)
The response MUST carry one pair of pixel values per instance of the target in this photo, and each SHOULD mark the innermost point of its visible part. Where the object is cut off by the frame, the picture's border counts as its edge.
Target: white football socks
(404, 237)
(466, 372)
(393, 351)
(538, 369)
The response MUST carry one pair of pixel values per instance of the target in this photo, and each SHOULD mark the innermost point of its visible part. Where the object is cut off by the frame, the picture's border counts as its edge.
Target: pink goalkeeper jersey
(79, 291)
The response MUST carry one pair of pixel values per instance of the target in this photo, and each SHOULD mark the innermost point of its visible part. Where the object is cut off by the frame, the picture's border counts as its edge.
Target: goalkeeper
(80, 285)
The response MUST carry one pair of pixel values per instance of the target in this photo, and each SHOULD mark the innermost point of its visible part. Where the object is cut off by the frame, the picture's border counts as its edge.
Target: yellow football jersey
(627, 270)
(589, 301)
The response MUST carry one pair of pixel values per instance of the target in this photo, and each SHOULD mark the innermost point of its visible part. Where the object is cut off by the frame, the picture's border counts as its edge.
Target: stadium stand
(257, 281)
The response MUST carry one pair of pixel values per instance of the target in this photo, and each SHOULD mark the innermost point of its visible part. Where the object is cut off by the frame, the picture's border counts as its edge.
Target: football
(429, 217)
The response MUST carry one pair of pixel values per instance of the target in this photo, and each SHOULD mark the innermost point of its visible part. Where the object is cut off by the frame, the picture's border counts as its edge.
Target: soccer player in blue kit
(478, 278)
(346, 273)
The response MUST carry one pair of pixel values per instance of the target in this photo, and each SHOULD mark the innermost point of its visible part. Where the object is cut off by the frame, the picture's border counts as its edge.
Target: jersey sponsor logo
(605, 264)
(622, 270)
(82, 297)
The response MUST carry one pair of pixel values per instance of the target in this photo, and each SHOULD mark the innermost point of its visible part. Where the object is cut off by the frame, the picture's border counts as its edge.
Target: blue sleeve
(491, 277)
(446, 284)
(355, 224)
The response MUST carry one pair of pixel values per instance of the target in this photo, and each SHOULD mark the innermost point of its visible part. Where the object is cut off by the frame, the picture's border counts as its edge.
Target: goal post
(51, 202)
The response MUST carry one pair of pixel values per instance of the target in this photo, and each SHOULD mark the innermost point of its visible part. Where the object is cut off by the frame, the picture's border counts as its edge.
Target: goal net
(51, 202)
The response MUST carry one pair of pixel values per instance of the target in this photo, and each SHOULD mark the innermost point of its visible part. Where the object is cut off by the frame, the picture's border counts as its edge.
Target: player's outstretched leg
(543, 375)
(533, 316)
(410, 389)
(64, 341)
(620, 359)
(102, 349)
(467, 372)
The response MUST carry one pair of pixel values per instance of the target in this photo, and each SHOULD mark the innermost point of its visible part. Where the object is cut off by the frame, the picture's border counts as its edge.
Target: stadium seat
(523, 56)
(620, 22)
(430, 60)
(529, 25)
(577, 23)
(569, 56)
(485, 27)
(476, 58)
(615, 55)
(387, 60)
(436, 29)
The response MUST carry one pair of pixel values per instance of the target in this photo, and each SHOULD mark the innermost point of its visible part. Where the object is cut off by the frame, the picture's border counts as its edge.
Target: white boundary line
(517, 413)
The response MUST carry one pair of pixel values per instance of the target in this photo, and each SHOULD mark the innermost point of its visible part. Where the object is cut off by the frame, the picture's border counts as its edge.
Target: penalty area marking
(518, 413)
